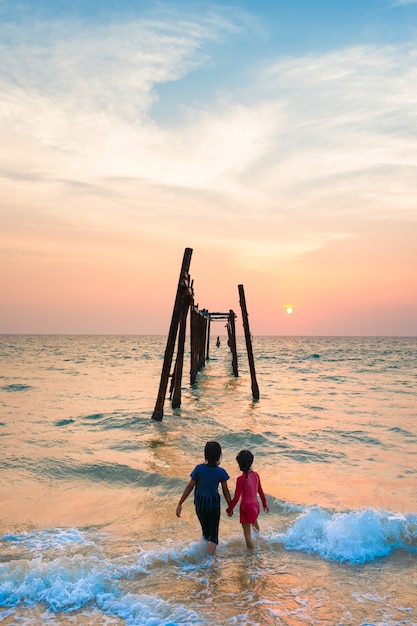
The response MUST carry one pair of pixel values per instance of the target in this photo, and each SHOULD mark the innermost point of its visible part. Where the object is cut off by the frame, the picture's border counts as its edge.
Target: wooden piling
(255, 388)
(198, 340)
(179, 363)
(208, 338)
(193, 345)
(202, 337)
(232, 341)
(183, 285)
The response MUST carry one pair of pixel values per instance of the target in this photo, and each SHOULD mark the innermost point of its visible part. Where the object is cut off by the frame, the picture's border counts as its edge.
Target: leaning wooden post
(158, 412)
(233, 341)
(255, 388)
(179, 363)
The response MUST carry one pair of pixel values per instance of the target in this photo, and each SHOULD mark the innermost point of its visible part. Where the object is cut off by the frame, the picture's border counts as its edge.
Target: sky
(277, 139)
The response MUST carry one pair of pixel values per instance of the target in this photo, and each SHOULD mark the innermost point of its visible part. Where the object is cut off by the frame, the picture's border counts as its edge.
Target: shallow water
(89, 483)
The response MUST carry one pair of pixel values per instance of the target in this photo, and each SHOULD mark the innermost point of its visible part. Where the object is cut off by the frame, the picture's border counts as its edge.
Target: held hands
(266, 509)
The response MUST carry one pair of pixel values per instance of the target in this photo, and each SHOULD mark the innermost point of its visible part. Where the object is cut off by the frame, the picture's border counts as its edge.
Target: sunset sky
(277, 139)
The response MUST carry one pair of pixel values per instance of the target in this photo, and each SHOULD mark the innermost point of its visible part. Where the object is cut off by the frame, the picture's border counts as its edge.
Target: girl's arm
(262, 496)
(226, 492)
(238, 492)
(185, 495)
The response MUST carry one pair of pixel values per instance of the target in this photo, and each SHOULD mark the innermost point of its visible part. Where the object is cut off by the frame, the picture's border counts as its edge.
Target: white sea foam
(72, 582)
(69, 583)
(46, 539)
(356, 537)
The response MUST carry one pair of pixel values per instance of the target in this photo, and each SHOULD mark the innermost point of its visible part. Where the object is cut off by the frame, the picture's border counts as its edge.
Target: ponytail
(245, 460)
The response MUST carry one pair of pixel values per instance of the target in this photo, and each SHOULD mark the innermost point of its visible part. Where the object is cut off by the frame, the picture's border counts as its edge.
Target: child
(206, 478)
(248, 485)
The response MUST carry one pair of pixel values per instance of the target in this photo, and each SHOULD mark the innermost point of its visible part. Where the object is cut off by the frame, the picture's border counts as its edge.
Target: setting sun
(289, 310)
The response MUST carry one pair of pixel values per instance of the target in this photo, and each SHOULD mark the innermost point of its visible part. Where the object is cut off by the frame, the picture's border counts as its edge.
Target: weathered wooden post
(193, 345)
(179, 363)
(158, 412)
(202, 337)
(208, 338)
(255, 388)
(232, 340)
(198, 336)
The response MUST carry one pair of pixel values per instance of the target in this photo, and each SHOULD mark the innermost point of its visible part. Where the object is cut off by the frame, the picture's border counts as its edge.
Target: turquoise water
(89, 483)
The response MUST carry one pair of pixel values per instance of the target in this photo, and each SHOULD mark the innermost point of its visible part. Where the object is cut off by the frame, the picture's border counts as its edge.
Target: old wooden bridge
(200, 322)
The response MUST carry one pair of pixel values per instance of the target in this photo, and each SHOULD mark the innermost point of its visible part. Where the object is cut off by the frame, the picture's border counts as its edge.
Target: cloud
(266, 255)
(402, 2)
(85, 93)
(108, 67)
(349, 119)
(308, 138)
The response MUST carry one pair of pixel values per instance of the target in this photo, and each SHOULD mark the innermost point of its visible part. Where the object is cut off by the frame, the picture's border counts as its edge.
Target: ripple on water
(16, 387)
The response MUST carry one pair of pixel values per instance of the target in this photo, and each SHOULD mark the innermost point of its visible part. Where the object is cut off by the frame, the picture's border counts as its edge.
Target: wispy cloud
(401, 2)
(320, 135)
(349, 116)
(266, 255)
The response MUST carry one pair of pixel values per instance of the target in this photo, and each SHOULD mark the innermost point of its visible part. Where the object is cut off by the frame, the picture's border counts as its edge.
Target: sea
(89, 483)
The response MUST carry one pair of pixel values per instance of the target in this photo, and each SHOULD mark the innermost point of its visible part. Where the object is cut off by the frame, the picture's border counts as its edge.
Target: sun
(289, 310)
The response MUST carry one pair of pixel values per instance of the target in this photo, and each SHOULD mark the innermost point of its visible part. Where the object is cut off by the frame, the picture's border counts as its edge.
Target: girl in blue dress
(205, 478)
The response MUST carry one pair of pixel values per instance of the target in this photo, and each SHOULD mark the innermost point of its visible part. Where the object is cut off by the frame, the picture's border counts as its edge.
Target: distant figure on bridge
(218, 341)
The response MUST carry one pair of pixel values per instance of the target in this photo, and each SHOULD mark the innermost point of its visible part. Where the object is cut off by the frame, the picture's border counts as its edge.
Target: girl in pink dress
(248, 486)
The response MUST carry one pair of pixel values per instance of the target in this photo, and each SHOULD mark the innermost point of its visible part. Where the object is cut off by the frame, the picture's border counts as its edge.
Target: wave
(110, 421)
(66, 570)
(15, 387)
(353, 537)
(112, 474)
(68, 582)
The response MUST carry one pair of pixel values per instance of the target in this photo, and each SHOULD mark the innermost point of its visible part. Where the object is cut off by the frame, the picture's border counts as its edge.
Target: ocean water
(89, 483)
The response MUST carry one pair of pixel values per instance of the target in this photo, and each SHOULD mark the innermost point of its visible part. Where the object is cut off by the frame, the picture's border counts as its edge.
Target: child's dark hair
(245, 460)
(212, 453)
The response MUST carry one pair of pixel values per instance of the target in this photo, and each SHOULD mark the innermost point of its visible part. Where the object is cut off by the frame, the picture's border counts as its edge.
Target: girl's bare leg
(211, 548)
(256, 526)
(247, 531)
